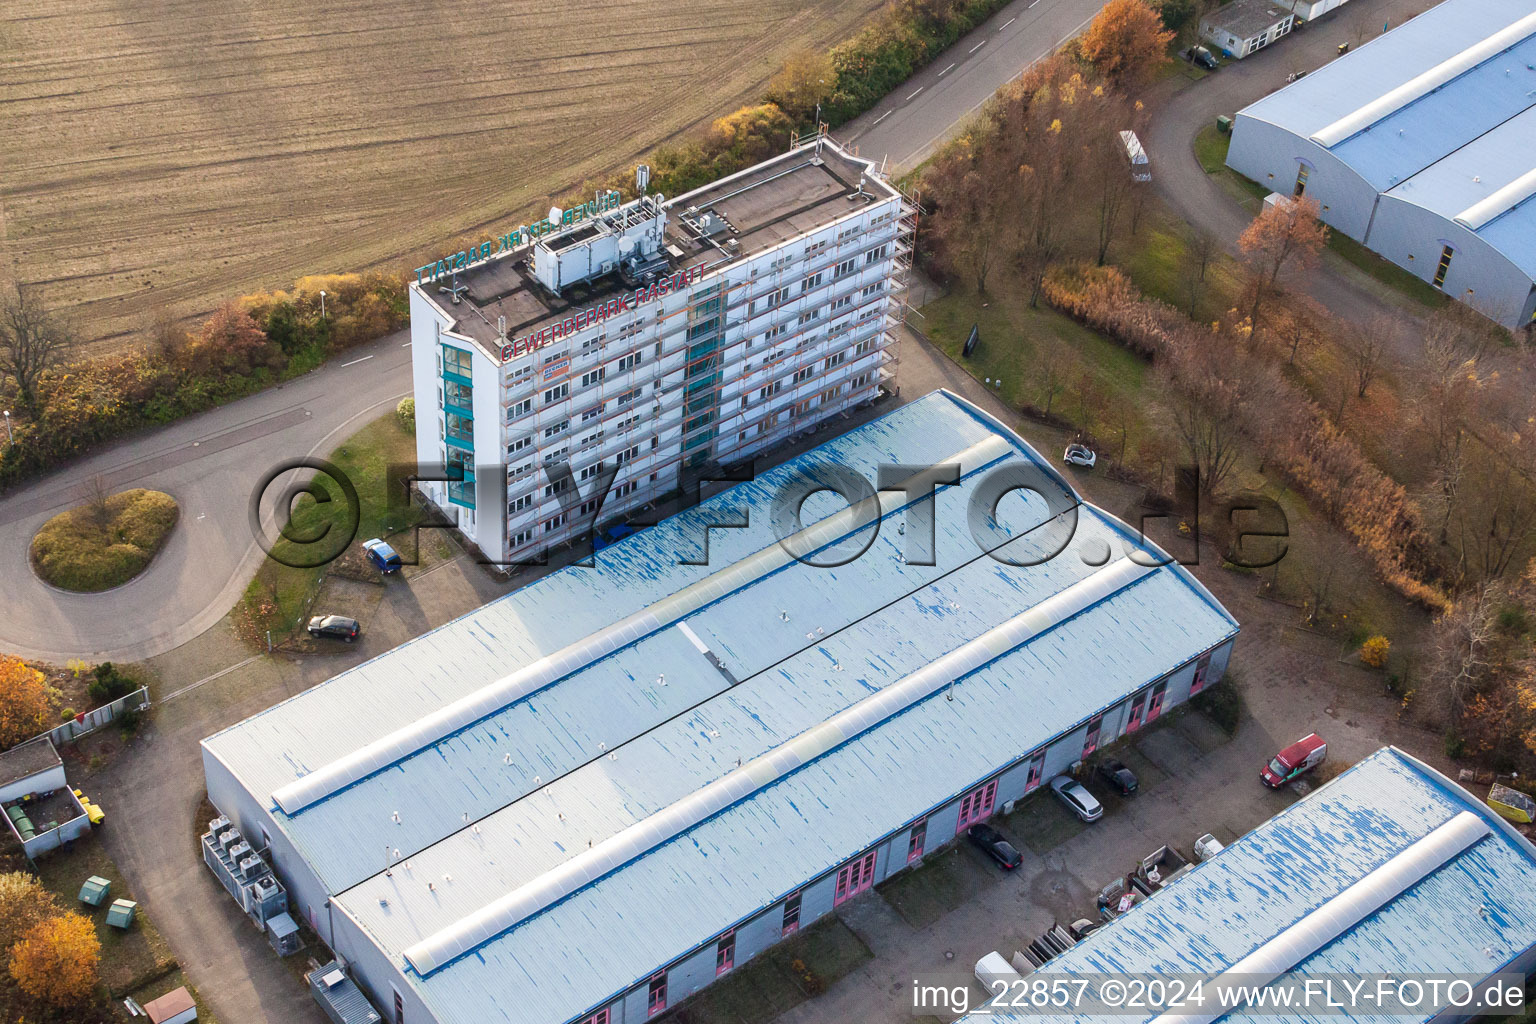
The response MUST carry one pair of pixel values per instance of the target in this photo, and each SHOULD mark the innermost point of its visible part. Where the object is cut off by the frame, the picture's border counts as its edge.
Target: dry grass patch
(105, 542)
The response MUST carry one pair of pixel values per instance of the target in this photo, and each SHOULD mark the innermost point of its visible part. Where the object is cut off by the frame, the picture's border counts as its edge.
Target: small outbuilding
(1247, 26)
(175, 1007)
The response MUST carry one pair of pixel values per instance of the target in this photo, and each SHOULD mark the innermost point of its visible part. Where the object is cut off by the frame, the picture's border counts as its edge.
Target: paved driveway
(209, 463)
(1182, 107)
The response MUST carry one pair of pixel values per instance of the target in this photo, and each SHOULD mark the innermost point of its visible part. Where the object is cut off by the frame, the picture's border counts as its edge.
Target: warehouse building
(1418, 144)
(1391, 871)
(588, 799)
(652, 339)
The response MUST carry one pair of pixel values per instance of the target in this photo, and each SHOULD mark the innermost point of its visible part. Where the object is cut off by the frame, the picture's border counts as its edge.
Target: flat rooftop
(1464, 904)
(1248, 18)
(761, 207)
(29, 758)
(640, 710)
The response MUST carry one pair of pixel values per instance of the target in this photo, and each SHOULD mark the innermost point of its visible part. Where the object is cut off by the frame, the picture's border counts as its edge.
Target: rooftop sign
(465, 258)
(536, 340)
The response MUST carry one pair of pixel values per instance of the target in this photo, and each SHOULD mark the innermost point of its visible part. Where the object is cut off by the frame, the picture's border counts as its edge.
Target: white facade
(1244, 28)
(750, 351)
(1418, 145)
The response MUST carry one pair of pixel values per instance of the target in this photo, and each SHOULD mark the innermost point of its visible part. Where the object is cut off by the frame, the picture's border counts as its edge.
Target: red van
(1302, 756)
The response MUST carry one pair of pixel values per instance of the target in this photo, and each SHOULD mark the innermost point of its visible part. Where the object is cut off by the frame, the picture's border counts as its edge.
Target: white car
(1077, 798)
(1079, 455)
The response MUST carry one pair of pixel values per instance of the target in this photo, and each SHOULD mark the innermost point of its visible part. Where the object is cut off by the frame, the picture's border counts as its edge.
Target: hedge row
(241, 348)
(1296, 435)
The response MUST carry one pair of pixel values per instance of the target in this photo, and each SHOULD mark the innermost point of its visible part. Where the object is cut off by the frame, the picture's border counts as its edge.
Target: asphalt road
(1181, 107)
(211, 463)
(910, 123)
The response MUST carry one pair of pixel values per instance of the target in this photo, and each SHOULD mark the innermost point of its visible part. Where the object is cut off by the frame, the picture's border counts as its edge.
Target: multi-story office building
(595, 361)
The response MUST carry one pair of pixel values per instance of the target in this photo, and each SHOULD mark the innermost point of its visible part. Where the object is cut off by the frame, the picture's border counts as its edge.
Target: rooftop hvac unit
(218, 824)
(251, 866)
(239, 851)
(229, 838)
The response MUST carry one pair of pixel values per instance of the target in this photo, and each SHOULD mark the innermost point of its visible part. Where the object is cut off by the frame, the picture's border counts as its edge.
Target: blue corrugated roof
(612, 743)
(1475, 125)
(1300, 860)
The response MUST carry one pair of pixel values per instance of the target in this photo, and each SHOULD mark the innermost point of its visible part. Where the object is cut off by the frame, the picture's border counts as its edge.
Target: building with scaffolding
(595, 361)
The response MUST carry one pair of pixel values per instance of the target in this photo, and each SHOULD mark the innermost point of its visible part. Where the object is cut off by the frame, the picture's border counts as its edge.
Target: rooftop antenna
(501, 328)
(456, 290)
(643, 178)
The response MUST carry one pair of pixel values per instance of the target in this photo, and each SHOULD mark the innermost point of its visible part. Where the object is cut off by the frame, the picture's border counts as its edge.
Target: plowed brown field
(157, 156)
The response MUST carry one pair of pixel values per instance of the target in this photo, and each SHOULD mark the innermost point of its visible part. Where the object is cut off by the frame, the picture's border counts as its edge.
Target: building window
(874, 255)
(521, 537)
(814, 281)
(600, 1017)
(855, 877)
(658, 997)
(915, 841)
(791, 915)
(1155, 705)
(844, 268)
(835, 359)
(976, 805)
(777, 297)
(842, 303)
(517, 409)
(872, 289)
(554, 524)
(457, 361)
(1202, 669)
(810, 317)
(768, 392)
(1302, 170)
(399, 1000)
(592, 377)
(629, 362)
(626, 455)
(1138, 707)
(725, 954)
(625, 489)
(518, 504)
(556, 428)
(518, 445)
(1445, 265)
(1091, 740)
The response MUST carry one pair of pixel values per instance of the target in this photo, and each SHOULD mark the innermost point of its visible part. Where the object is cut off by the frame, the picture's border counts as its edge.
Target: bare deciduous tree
(1363, 349)
(1462, 641)
(31, 341)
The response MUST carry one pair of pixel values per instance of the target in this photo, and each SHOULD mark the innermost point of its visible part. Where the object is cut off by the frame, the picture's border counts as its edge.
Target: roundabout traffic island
(105, 542)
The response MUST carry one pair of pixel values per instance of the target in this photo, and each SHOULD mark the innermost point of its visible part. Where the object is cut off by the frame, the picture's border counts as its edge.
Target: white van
(1141, 168)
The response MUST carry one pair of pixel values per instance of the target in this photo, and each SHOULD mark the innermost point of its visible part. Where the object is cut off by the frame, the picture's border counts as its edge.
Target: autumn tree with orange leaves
(1126, 43)
(1286, 235)
(56, 960)
(25, 702)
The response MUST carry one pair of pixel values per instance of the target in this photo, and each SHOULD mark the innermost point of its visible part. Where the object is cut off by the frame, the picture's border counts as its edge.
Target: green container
(95, 890)
(1223, 123)
(120, 914)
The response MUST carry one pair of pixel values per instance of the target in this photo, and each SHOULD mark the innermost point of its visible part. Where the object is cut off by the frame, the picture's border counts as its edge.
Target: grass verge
(280, 594)
(1211, 145)
(130, 959)
(104, 543)
(1385, 271)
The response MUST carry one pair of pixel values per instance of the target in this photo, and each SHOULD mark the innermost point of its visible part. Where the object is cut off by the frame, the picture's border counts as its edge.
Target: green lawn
(1388, 273)
(1211, 145)
(129, 959)
(1098, 386)
(280, 594)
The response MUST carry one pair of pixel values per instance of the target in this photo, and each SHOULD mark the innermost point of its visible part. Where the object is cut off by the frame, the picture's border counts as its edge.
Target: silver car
(1077, 798)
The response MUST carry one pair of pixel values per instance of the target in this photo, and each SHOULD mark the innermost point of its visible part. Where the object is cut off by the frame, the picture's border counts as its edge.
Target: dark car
(382, 556)
(996, 847)
(1119, 777)
(338, 626)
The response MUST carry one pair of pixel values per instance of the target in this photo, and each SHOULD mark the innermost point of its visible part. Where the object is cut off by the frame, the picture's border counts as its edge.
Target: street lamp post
(322, 304)
(9, 438)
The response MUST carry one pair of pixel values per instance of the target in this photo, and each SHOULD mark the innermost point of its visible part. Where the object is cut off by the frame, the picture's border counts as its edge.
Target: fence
(90, 721)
